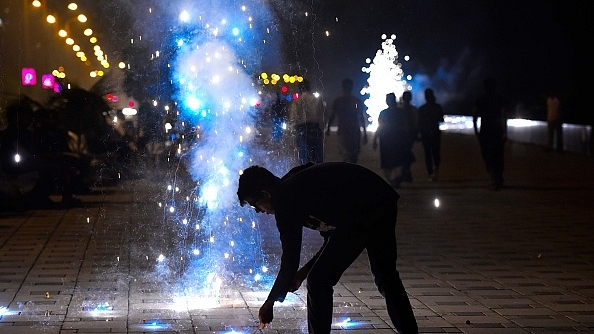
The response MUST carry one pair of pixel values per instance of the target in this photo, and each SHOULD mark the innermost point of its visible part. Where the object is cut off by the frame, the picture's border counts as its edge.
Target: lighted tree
(385, 76)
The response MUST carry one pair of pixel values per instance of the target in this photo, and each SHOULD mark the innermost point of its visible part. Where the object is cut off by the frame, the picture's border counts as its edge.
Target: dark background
(530, 47)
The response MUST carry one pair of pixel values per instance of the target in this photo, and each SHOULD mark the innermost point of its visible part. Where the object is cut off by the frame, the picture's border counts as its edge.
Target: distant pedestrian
(306, 115)
(394, 136)
(492, 109)
(554, 123)
(352, 122)
(430, 115)
(20, 155)
(412, 115)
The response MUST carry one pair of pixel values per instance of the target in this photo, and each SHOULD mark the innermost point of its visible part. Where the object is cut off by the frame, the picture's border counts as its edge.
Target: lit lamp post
(66, 31)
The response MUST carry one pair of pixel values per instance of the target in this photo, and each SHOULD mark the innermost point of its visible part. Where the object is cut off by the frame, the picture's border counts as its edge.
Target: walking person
(354, 210)
(430, 115)
(554, 123)
(492, 109)
(351, 118)
(395, 137)
(412, 116)
(307, 118)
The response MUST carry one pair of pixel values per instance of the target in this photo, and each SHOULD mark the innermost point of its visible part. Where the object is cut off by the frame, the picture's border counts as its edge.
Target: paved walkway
(519, 260)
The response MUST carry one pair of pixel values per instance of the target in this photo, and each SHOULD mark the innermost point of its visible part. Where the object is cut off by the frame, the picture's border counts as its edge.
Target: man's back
(430, 114)
(491, 108)
(347, 109)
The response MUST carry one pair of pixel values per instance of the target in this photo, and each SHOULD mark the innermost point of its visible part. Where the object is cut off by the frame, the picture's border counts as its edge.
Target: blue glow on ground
(155, 325)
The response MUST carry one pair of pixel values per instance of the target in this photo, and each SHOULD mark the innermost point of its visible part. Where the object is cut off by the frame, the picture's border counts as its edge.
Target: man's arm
(304, 271)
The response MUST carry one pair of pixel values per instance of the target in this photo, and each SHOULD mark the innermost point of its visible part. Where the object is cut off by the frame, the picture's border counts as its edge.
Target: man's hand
(265, 314)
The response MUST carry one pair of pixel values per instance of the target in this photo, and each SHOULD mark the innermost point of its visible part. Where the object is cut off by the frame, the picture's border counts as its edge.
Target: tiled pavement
(519, 260)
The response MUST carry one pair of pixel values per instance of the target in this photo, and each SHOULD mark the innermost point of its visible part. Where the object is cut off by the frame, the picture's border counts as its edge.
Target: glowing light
(436, 202)
(348, 323)
(5, 311)
(28, 76)
(385, 76)
(193, 103)
(129, 111)
(47, 81)
(155, 325)
(161, 258)
(102, 308)
(521, 123)
(184, 16)
(17, 158)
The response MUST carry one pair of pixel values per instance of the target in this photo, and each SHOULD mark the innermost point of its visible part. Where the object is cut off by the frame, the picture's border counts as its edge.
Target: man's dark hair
(253, 180)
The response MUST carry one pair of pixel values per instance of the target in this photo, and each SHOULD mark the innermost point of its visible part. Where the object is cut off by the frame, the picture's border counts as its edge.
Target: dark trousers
(555, 135)
(492, 151)
(378, 237)
(432, 149)
(350, 147)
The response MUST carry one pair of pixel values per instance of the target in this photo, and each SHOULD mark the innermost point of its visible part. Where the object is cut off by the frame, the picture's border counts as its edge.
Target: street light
(64, 32)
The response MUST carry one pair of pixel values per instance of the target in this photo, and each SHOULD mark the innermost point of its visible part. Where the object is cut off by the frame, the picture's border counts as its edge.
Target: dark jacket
(325, 196)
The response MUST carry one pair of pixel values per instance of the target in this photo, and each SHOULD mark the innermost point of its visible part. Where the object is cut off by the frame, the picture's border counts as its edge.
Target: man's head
(391, 99)
(255, 186)
(429, 95)
(407, 96)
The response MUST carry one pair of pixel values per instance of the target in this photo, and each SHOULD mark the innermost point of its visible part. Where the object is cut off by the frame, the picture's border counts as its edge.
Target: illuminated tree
(385, 76)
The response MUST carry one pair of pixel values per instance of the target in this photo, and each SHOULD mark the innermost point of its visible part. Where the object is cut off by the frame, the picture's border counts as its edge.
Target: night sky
(529, 46)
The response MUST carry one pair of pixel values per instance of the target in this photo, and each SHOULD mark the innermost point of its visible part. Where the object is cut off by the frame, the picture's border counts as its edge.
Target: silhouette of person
(412, 117)
(430, 115)
(395, 136)
(352, 121)
(554, 123)
(307, 118)
(354, 210)
(20, 154)
(53, 142)
(492, 109)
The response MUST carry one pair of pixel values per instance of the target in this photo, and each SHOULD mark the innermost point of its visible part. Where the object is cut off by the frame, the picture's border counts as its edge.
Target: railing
(576, 138)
